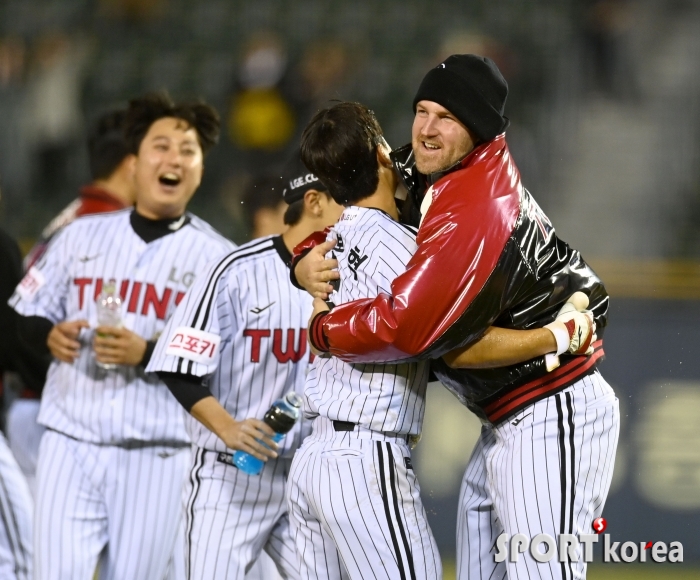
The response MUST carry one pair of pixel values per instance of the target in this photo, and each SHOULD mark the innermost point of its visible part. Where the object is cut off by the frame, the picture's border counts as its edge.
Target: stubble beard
(427, 167)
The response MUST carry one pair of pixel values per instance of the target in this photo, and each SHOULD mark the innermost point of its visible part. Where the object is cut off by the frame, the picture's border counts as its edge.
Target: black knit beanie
(473, 89)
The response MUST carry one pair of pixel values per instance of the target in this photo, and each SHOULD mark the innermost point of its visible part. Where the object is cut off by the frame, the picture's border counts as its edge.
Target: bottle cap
(280, 418)
(294, 399)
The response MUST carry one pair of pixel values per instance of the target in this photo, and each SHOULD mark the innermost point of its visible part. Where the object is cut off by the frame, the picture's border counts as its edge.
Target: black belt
(348, 426)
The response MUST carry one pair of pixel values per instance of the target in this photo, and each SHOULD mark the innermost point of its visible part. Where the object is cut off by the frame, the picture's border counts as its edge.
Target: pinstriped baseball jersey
(371, 249)
(80, 399)
(244, 325)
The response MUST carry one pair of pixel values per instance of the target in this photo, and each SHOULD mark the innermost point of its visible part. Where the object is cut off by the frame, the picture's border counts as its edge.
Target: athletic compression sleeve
(148, 353)
(187, 389)
(33, 331)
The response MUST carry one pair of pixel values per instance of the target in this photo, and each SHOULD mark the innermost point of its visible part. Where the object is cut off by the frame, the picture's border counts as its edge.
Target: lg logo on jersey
(292, 349)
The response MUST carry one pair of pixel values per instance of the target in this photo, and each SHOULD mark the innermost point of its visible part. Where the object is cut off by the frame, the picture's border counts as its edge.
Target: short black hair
(146, 110)
(339, 145)
(294, 212)
(107, 144)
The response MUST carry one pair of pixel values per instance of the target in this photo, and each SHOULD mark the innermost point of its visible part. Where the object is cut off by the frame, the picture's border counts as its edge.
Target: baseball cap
(298, 180)
(472, 88)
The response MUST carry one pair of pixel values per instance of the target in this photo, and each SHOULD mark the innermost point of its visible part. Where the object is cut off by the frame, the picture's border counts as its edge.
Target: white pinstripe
(355, 504)
(90, 496)
(519, 480)
(247, 300)
(16, 506)
(121, 431)
(253, 276)
(126, 404)
(356, 510)
(377, 396)
(231, 517)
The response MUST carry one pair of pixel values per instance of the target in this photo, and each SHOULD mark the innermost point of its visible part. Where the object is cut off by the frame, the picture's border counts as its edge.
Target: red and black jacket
(487, 256)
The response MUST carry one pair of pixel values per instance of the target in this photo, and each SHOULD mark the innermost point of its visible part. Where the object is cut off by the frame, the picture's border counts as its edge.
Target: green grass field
(621, 572)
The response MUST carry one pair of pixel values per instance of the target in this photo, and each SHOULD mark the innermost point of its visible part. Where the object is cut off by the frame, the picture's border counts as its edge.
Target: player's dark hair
(339, 145)
(294, 212)
(107, 144)
(296, 209)
(146, 110)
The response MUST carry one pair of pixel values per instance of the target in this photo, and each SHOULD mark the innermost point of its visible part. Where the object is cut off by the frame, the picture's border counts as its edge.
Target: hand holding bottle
(281, 417)
(251, 436)
(118, 346)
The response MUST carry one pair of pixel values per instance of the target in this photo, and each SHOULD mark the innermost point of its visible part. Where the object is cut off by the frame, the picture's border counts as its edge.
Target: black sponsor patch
(226, 458)
(407, 463)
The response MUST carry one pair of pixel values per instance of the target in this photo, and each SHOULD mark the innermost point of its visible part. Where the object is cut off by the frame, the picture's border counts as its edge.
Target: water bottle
(109, 312)
(282, 416)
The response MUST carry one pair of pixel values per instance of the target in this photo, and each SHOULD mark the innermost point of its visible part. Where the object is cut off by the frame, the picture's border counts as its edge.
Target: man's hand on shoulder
(314, 272)
(118, 346)
(63, 340)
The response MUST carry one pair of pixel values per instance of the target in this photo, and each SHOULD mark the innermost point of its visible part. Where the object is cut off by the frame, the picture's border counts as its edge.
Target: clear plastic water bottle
(109, 311)
(282, 416)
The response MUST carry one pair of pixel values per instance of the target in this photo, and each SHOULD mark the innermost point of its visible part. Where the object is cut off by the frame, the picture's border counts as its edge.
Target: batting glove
(574, 329)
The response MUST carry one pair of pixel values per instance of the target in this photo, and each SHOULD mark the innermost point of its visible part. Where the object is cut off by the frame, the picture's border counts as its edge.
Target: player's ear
(130, 164)
(312, 202)
(383, 151)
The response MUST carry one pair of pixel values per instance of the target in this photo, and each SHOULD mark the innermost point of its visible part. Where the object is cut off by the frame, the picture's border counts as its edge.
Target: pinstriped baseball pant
(355, 509)
(545, 470)
(232, 516)
(121, 506)
(16, 506)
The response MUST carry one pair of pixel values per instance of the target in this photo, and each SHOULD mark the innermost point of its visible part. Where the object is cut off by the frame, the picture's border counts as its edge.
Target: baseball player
(235, 345)
(263, 209)
(16, 505)
(113, 460)
(112, 189)
(488, 254)
(352, 489)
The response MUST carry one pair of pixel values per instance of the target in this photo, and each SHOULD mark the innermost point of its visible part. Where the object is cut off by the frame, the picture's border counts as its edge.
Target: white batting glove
(574, 327)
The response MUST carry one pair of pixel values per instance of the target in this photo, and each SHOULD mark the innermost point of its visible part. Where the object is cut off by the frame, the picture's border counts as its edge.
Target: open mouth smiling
(169, 179)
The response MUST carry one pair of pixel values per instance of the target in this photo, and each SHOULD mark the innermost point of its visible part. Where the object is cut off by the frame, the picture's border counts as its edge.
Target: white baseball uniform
(354, 498)
(16, 507)
(547, 469)
(243, 326)
(114, 458)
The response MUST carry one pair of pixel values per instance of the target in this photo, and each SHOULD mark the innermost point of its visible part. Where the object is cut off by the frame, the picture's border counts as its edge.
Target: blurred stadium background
(605, 109)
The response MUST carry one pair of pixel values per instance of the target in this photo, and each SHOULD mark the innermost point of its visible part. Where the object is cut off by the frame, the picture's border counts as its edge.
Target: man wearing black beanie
(488, 255)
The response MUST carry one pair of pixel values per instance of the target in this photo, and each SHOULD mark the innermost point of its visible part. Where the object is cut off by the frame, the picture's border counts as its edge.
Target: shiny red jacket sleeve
(460, 242)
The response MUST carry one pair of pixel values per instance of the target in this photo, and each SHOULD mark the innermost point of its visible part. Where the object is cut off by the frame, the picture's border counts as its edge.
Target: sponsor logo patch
(30, 284)
(195, 345)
